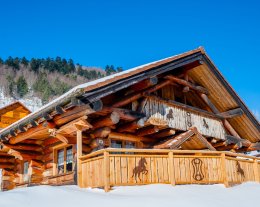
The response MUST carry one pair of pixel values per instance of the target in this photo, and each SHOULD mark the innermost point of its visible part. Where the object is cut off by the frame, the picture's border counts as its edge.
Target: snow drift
(134, 196)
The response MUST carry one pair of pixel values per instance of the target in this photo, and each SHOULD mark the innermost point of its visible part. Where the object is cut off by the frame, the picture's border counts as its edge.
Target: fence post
(106, 171)
(171, 168)
(223, 169)
(256, 172)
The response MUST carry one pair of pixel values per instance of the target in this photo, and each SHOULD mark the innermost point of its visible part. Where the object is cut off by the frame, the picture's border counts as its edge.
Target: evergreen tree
(119, 69)
(35, 64)
(1, 61)
(22, 87)
(24, 61)
(11, 86)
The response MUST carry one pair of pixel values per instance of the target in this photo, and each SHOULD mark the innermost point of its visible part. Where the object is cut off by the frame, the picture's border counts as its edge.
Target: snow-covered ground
(135, 196)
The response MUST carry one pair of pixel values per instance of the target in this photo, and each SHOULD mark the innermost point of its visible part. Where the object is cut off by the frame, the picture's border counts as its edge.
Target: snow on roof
(102, 82)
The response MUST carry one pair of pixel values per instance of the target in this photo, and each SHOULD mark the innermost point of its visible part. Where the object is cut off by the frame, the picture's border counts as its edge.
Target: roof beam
(232, 113)
(183, 82)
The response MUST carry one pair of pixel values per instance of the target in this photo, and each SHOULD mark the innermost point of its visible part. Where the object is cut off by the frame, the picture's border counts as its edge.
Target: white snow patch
(134, 196)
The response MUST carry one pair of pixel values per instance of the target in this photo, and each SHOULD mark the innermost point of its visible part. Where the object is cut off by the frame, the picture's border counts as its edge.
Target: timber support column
(79, 154)
(106, 172)
(171, 169)
(256, 171)
(223, 169)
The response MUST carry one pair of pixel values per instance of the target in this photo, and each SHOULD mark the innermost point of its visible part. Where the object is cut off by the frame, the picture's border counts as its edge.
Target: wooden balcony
(120, 167)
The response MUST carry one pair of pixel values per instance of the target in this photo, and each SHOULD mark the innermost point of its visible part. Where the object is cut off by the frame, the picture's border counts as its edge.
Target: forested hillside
(45, 78)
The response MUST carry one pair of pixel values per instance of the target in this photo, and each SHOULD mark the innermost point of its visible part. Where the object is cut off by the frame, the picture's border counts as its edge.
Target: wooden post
(79, 154)
(256, 171)
(106, 171)
(171, 169)
(224, 172)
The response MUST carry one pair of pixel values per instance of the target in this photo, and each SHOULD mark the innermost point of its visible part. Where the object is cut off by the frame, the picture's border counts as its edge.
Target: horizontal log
(25, 147)
(183, 82)
(36, 163)
(72, 114)
(147, 131)
(49, 165)
(50, 141)
(132, 126)
(144, 84)
(232, 113)
(36, 132)
(7, 172)
(86, 141)
(86, 148)
(108, 120)
(124, 114)
(128, 137)
(163, 133)
(7, 159)
(7, 166)
(32, 141)
(100, 132)
(8, 185)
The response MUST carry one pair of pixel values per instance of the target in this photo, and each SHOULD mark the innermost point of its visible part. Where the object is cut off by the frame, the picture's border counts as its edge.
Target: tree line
(18, 86)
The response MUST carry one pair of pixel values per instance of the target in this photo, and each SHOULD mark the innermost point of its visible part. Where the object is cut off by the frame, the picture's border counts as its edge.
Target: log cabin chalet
(176, 121)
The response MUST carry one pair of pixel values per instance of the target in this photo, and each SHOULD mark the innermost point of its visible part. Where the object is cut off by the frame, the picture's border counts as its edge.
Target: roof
(99, 88)
(13, 106)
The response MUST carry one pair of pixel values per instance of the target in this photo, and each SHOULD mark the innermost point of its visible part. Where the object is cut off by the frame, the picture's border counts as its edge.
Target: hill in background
(41, 80)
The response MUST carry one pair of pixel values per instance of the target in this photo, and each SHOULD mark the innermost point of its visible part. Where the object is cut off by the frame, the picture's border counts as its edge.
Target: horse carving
(140, 168)
(240, 170)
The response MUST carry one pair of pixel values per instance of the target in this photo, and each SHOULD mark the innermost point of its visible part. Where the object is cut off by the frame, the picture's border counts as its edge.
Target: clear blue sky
(130, 33)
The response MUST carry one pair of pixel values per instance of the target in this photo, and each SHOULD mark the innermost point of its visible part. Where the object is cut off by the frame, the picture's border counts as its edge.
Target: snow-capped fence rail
(118, 167)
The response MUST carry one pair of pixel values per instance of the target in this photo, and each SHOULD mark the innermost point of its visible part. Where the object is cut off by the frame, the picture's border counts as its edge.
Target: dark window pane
(69, 159)
(25, 171)
(60, 161)
(25, 167)
(129, 145)
(116, 144)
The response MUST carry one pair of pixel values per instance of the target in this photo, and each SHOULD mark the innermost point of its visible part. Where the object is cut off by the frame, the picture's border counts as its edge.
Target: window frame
(55, 159)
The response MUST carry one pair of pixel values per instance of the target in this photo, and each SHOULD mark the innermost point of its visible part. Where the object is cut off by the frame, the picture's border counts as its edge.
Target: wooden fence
(118, 167)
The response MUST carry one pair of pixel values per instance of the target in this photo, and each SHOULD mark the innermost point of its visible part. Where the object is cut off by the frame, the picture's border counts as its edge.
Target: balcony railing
(120, 167)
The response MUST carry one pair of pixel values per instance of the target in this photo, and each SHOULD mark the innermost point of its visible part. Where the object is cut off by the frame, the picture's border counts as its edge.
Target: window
(122, 144)
(116, 144)
(64, 160)
(25, 171)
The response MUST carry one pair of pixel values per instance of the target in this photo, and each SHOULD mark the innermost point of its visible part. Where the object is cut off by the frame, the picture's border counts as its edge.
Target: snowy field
(141, 196)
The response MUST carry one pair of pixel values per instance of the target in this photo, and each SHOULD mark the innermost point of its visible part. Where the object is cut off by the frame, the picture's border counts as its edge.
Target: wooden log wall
(134, 167)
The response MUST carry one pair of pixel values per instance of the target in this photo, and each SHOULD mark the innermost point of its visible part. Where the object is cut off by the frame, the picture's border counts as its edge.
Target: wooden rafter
(178, 140)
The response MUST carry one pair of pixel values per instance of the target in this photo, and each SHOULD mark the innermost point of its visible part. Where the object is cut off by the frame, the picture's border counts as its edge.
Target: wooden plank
(171, 169)
(256, 172)
(223, 169)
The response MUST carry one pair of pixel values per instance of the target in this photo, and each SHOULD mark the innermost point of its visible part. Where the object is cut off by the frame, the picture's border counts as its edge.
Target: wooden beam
(26, 147)
(128, 137)
(216, 111)
(39, 131)
(134, 96)
(100, 132)
(232, 113)
(183, 82)
(125, 114)
(109, 120)
(164, 133)
(144, 84)
(132, 126)
(147, 131)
